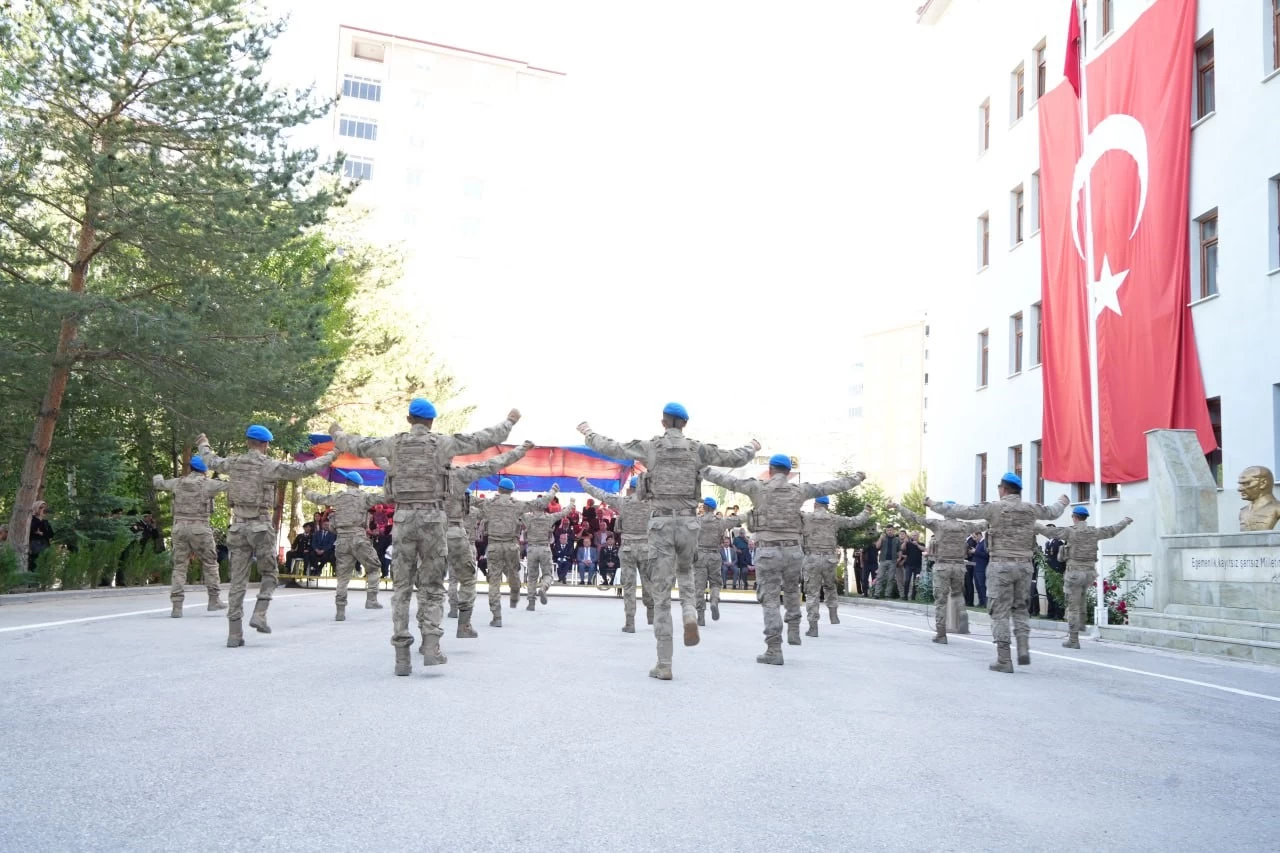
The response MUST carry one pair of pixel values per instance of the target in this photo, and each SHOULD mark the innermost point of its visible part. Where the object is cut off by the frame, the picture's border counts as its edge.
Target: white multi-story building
(986, 391)
(888, 395)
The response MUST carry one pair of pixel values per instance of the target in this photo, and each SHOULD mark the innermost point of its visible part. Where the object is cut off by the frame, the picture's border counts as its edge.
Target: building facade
(888, 395)
(986, 389)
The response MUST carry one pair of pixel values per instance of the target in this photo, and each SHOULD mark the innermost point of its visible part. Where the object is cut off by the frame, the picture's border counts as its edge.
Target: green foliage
(1053, 581)
(49, 566)
(1118, 604)
(915, 497)
(9, 569)
(870, 495)
(924, 588)
(143, 565)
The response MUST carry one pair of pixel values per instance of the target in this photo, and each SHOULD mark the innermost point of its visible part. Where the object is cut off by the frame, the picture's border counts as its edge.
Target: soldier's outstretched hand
(755, 445)
(893, 505)
(582, 480)
(1128, 520)
(861, 475)
(528, 445)
(514, 416)
(584, 428)
(334, 429)
(201, 439)
(1064, 499)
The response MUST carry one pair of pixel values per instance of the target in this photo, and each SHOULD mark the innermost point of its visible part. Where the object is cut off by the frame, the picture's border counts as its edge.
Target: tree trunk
(32, 481)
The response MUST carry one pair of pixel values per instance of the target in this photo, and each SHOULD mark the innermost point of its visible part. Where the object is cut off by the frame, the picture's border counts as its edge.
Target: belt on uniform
(458, 523)
(670, 513)
(778, 543)
(419, 504)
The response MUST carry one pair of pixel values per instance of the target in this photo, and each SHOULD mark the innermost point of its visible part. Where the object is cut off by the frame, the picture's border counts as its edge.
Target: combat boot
(496, 621)
(176, 613)
(941, 636)
(630, 626)
(431, 655)
(453, 610)
(1024, 651)
(1072, 641)
(715, 611)
(341, 615)
(793, 635)
(465, 631)
(702, 618)
(530, 607)
(371, 600)
(215, 602)
(259, 619)
(772, 654)
(835, 619)
(542, 596)
(813, 628)
(235, 638)
(691, 633)
(648, 615)
(403, 664)
(662, 671)
(1003, 663)
(515, 596)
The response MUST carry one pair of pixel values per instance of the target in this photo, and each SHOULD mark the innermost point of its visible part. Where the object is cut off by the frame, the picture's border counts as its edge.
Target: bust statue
(1256, 486)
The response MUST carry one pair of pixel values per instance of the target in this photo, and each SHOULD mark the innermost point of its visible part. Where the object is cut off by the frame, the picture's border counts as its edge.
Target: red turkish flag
(1072, 67)
(1137, 158)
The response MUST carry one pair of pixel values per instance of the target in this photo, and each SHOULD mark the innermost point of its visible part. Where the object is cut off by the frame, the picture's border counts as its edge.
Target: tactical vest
(710, 532)
(950, 542)
(778, 511)
(676, 471)
(820, 532)
(633, 516)
(189, 500)
(539, 526)
(419, 478)
(457, 503)
(248, 494)
(503, 515)
(1080, 546)
(349, 513)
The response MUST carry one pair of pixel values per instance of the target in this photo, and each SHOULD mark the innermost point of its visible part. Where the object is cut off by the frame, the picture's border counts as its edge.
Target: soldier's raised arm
(749, 486)
(161, 484)
(597, 492)
(1050, 531)
(357, 445)
(832, 487)
(1112, 529)
(542, 502)
(212, 461)
(1053, 510)
(494, 464)
(862, 519)
(709, 454)
(959, 511)
(318, 498)
(277, 469)
(460, 444)
(637, 449)
(907, 515)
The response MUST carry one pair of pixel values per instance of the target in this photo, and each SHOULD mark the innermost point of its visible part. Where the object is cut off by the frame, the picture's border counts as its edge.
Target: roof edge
(480, 53)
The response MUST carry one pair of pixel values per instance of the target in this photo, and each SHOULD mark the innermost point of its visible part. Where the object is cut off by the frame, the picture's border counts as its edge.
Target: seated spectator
(301, 548)
(609, 561)
(587, 559)
(382, 545)
(562, 553)
(322, 548)
(729, 563)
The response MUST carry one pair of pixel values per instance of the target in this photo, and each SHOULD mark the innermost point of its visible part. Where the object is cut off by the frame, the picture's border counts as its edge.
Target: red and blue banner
(538, 471)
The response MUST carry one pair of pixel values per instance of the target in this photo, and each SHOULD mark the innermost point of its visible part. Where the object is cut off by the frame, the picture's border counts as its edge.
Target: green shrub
(9, 573)
(143, 565)
(49, 566)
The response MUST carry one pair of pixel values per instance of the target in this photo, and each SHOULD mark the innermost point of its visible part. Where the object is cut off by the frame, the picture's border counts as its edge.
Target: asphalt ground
(128, 730)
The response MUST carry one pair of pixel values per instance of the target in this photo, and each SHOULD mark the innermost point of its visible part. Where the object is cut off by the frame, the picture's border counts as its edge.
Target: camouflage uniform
(1012, 538)
(192, 506)
(633, 524)
(673, 491)
(462, 546)
(419, 464)
(350, 514)
(252, 496)
(948, 547)
(540, 568)
(821, 556)
(777, 525)
(1080, 551)
(706, 570)
(502, 515)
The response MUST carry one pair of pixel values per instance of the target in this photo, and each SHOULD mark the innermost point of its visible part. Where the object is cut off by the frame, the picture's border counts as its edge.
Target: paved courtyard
(129, 730)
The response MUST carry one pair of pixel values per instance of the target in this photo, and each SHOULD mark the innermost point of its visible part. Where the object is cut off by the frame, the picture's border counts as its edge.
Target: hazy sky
(741, 182)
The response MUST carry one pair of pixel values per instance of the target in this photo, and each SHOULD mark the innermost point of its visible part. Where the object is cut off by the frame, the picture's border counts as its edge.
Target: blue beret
(780, 460)
(823, 499)
(258, 433)
(709, 502)
(420, 408)
(1012, 479)
(197, 464)
(354, 477)
(505, 483)
(676, 410)
(1081, 511)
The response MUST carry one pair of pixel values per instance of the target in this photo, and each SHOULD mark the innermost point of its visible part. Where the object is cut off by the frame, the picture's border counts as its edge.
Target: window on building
(981, 473)
(1017, 214)
(1275, 37)
(984, 126)
(364, 88)
(1037, 449)
(1111, 491)
(1037, 334)
(1208, 225)
(1084, 28)
(358, 128)
(1035, 201)
(855, 412)
(1083, 492)
(1019, 87)
(359, 168)
(370, 50)
(1042, 71)
(1108, 18)
(1273, 216)
(984, 240)
(1214, 457)
(1015, 343)
(984, 347)
(1015, 459)
(1204, 76)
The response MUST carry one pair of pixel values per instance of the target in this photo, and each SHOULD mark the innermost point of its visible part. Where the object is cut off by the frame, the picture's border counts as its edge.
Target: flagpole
(1100, 610)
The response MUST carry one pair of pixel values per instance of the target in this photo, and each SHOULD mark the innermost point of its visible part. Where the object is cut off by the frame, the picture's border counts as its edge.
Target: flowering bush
(1118, 605)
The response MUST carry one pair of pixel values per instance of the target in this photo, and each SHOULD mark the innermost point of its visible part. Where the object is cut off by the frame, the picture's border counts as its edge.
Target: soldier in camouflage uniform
(706, 569)
(1011, 540)
(1080, 551)
(502, 515)
(192, 506)
(251, 495)
(419, 463)
(949, 537)
(777, 525)
(633, 524)
(350, 514)
(541, 569)
(819, 530)
(672, 489)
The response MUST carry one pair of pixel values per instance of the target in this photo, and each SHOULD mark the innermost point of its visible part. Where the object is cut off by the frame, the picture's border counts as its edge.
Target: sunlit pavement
(143, 732)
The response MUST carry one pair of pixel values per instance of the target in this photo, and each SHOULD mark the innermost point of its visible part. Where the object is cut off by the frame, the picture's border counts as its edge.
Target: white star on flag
(1106, 290)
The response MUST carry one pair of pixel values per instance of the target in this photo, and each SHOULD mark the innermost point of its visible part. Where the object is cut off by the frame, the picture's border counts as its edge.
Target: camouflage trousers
(948, 583)
(248, 540)
(352, 548)
(462, 569)
(673, 544)
(193, 537)
(504, 559)
(1008, 591)
(419, 557)
(778, 571)
(635, 563)
(820, 577)
(707, 571)
(1075, 586)
(541, 569)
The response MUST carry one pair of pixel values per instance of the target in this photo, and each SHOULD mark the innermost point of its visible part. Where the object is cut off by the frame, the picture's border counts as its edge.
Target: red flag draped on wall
(1137, 155)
